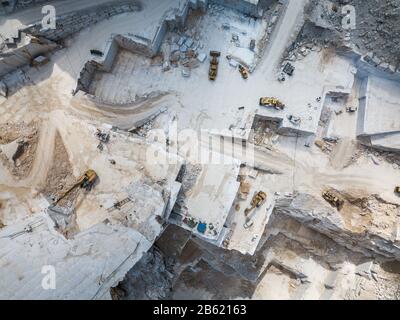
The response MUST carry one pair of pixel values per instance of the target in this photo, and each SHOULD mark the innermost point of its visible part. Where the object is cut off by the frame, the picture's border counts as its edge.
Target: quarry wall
(71, 23)
(24, 55)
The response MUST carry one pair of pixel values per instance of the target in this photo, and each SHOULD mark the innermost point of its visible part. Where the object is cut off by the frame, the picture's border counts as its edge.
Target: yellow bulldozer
(272, 102)
(244, 72)
(258, 200)
(85, 181)
(334, 200)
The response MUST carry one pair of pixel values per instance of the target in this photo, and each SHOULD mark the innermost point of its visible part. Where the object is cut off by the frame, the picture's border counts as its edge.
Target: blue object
(201, 227)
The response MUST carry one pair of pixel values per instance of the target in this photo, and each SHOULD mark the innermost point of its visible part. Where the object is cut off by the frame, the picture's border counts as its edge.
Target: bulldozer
(258, 200)
(271, 102)
(85, 181)
(244, 72)
(333, 199)
(213, 72)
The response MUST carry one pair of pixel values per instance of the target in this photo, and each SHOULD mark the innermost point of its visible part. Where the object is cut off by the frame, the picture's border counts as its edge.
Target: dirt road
(42, 162)
(305, 175)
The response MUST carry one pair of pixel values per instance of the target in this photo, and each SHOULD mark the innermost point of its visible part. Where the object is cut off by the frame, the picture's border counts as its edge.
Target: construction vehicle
(252, 45)
(86, 181)
(271, 102)
(351, 109)
(334, 200)
(118, 205)
(244, 72)
(397, 190)
(104, 137)
(323, 145)
(288, 69)
(248, 224)
(294, 119)
(39, 61)
(320, 144)
(258, 200)
(331, 139)
(213, 72)
(96, 52)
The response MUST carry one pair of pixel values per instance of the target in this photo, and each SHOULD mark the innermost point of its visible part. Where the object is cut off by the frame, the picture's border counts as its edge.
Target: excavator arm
(86, 181)
(66, 193)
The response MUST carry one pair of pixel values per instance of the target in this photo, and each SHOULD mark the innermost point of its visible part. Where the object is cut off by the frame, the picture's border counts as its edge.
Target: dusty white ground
(198, 104)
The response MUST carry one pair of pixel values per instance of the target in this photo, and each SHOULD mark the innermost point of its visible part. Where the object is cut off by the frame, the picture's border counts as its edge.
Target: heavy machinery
(323, 145)
(271, 102)
(288, 69)
(351, 109)
(39, 61)
(85, 181)
(252, 45)
(213, 72)
(248, 224)
(118, 205)
(104, 137)
(397, 190)
(244, 72)
(96, 52)
(258, 200)
(294, 119)
(334, 200)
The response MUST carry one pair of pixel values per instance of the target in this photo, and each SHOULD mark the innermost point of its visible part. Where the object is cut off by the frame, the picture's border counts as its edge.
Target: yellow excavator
(85, 181)
(258, 200)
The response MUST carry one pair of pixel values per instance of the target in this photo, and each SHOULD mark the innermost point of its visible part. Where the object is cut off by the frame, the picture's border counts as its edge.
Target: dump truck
(214, 62)
(271, 102)
(333, 200)
(258, 200)
(85, 181)
(244, 72)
